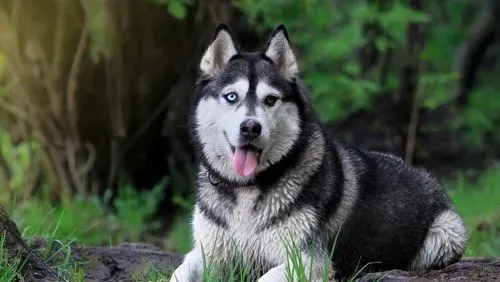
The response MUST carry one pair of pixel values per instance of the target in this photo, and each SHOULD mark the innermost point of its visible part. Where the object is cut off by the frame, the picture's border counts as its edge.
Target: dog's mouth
(246, 158)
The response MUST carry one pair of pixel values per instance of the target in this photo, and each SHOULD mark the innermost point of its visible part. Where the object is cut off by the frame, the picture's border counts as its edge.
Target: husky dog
(270, 177)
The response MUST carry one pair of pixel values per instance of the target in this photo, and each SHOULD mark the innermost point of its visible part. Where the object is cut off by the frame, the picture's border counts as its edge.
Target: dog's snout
(250, 128)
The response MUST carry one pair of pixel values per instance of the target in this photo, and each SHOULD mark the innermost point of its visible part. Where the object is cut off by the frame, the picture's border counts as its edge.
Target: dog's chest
(244, 218)
(245, 229)
(246, 235)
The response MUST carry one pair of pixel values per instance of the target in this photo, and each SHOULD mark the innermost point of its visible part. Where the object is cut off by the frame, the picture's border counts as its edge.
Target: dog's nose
(250, 129)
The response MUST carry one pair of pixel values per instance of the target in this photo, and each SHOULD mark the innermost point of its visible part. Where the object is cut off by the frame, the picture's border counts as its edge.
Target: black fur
(395, 205)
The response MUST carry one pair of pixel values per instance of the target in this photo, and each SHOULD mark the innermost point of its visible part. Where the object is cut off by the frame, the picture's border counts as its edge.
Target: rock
(123, 263)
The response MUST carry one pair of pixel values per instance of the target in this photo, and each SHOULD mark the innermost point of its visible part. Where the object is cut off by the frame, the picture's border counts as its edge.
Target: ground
(138, 262)
(126, 262)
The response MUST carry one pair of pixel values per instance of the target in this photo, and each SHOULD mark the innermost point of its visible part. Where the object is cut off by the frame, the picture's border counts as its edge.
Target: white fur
(240, 87)
(263, 89)
(213, 117)
(191, 269)
(280, 127)
(446, 238)
(218, 53)
(244, 237)
(280, 51)
(349, 195)
(229, 117)
(388, 155)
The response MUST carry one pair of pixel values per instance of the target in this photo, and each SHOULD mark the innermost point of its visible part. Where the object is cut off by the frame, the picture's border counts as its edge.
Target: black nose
(250, 129)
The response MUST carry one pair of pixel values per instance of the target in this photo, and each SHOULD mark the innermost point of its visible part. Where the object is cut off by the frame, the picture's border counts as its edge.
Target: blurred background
(94, 97)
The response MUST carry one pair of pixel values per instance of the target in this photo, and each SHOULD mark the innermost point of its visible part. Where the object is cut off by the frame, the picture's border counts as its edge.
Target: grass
(479, 204)
(59, 258)
(477, 201)
(296, 268)
(87, 220)
(8, 271)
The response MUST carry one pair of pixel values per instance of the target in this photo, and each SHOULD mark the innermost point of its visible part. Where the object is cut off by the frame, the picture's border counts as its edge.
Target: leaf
(177, 9)
(382, 44)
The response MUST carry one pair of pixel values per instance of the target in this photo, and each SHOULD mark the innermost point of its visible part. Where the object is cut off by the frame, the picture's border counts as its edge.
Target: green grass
(88, 222)
(8, 271)
(85, 221)
(477, 201)
(479, 204)
(296, 268)
(58, 258)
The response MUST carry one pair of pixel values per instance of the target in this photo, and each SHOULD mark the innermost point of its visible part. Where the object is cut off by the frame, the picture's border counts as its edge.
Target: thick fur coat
(270, 177)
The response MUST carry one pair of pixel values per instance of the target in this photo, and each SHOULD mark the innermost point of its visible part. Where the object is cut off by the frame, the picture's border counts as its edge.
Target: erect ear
(279, 50)
(219, 51)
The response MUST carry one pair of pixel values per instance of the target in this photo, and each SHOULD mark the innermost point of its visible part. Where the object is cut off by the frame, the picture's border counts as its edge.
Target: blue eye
(231, 97)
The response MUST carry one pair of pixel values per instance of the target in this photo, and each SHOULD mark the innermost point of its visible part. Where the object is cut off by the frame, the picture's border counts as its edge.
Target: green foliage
(87, 220)
(479, 203)
(18, 157)
(482, 116)
(328, 36)
(434, 88)
(177, 8)
(135, 208)
(180, 237)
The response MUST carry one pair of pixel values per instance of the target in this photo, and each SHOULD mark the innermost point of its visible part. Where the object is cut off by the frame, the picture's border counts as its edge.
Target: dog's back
(402, 219)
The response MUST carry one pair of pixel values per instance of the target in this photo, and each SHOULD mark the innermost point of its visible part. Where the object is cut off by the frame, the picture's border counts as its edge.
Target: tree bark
(407, 96)
(34, 268)
(121, 116)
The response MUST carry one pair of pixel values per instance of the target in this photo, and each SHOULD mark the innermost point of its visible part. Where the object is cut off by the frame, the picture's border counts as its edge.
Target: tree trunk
(34, 268)
(106, 87)
(407, 98)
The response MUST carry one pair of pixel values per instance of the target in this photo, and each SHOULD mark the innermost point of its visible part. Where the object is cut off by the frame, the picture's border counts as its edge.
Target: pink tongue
(244, 161)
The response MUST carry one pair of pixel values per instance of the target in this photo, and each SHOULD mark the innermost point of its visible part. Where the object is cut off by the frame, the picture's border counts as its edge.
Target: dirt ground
(127, 262)
(468, 269)
(133, 261)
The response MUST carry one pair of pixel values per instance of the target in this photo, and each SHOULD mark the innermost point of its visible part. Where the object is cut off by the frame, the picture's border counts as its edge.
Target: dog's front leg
(313, 268)
(191, 269)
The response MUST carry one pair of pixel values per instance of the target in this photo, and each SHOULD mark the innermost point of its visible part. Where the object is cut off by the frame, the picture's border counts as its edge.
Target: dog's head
(249, 109)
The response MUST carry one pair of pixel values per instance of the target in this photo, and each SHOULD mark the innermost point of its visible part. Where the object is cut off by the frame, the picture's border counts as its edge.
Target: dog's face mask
(248, 112)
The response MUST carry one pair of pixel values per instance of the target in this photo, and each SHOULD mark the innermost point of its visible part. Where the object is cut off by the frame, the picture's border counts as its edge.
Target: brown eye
(270, 100)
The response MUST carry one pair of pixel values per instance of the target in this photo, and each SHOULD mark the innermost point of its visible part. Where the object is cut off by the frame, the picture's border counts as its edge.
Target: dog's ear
(279, 50)
(220, 50)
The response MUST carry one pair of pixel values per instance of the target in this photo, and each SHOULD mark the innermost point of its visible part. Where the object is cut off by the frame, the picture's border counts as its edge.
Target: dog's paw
(272, 278)
(185, 273)
(277, 274)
